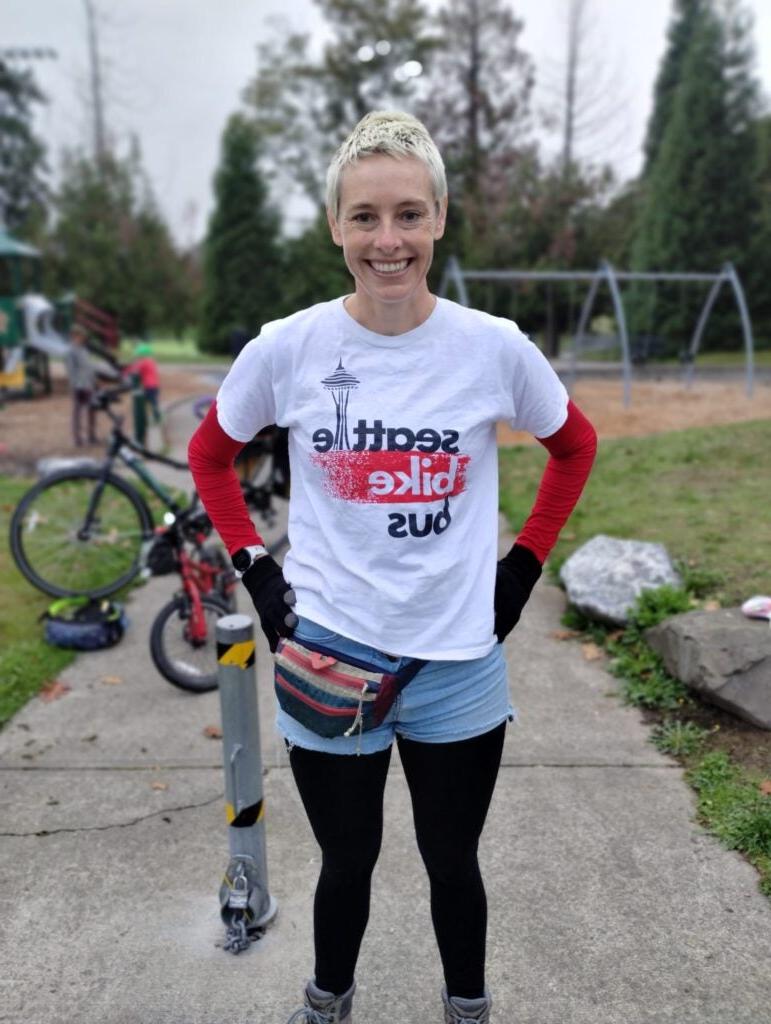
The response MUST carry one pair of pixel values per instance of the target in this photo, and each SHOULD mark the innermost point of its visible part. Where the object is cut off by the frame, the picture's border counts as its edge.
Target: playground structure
(33, 330)
(455, 275)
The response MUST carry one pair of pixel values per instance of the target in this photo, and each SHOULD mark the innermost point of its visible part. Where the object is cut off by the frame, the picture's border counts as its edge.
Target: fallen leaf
(564, 634)
(213, 732)
(159, 785)
(615, 635)
(54, 690)
(112, 680)
(591, 651)
(765, 787)
(89, 739)
(711, 606)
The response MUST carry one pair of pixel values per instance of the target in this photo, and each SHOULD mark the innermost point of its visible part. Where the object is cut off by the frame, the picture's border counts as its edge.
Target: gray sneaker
(323, 1007)
(466, 1011)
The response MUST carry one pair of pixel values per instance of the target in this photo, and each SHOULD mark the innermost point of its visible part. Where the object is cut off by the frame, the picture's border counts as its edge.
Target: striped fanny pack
(332, 696)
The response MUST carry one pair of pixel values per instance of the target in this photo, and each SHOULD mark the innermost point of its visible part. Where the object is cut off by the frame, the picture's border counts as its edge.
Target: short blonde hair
(392, 133)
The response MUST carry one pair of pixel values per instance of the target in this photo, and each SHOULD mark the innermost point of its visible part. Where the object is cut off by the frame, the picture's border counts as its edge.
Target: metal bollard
(246, 905)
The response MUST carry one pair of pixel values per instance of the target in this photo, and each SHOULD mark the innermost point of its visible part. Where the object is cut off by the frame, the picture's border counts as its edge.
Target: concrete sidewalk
(608, 904)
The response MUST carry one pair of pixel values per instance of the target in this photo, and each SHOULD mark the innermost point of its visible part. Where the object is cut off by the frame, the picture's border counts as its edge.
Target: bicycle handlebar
(106, 396)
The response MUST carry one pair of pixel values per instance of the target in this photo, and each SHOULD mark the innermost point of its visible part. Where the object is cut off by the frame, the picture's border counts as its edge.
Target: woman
(391, 397)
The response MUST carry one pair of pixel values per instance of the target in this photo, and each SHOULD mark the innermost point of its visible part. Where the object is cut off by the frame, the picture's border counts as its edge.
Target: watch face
(241, 560)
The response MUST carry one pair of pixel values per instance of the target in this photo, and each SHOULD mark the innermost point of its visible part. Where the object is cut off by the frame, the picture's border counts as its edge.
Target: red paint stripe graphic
(392, 477)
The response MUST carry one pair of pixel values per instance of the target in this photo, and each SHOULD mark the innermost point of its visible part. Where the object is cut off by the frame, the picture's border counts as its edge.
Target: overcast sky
(176, 69)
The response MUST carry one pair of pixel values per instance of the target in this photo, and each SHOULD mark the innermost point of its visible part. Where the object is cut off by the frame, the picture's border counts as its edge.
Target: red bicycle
(183, 640)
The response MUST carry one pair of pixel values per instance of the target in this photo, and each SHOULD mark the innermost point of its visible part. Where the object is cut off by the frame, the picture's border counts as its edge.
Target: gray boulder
(723, 656)
(605, 576)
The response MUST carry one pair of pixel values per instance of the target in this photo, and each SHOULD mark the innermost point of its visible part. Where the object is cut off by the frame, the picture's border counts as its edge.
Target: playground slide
(38, 322)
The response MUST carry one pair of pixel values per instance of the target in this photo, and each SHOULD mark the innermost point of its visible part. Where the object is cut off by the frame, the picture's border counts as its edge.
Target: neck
(390, 319)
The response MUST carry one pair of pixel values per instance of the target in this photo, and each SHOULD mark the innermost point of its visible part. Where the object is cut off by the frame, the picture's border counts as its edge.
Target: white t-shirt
(393, 517)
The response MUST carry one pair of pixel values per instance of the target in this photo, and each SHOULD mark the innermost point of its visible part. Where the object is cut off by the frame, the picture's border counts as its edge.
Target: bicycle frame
(123, 449)
(198, 578)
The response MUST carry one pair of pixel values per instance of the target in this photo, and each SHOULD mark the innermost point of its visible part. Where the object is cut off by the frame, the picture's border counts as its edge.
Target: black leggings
(451, 785)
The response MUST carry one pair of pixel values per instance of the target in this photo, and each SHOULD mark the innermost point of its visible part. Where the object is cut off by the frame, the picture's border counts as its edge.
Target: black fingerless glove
(272, 597)
(515, 577)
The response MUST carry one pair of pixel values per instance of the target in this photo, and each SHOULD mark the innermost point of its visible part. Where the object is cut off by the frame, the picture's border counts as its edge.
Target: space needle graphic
(341, 383)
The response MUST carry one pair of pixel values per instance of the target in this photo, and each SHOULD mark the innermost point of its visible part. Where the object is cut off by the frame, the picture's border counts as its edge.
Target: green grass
(701, 492)
(174, 350)
(732, 805)
(26, 661)
(736, 359)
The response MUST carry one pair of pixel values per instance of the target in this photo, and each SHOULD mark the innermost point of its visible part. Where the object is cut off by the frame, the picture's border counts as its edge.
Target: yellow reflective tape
(230, 813)
(241, 655)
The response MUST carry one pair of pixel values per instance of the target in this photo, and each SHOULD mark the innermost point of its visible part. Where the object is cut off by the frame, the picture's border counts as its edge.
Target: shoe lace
(307, 1015)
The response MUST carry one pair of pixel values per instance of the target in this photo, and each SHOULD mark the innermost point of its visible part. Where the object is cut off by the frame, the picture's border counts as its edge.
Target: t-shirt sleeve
(539, 396)
(245, 401)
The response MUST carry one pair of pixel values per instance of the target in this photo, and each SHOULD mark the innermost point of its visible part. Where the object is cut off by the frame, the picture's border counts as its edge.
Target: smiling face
(387, 224)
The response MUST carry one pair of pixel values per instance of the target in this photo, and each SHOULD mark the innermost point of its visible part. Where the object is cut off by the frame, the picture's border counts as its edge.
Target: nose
(387, 238)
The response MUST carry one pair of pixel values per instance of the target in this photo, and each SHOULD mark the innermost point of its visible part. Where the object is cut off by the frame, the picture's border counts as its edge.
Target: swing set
(455, 275)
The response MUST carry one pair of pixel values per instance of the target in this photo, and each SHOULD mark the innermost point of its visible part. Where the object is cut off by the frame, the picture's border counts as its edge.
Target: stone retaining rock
(723, 656)
(605, 576)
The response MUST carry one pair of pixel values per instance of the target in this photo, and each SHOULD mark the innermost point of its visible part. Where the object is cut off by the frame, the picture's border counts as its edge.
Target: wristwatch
(244, 558)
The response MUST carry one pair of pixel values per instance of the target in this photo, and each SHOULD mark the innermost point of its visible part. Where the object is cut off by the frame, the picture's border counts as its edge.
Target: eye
(412, 216)
(363, 218)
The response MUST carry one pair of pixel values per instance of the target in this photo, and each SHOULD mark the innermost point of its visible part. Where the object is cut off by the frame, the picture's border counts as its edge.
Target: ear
(334, 228)
(441, 219)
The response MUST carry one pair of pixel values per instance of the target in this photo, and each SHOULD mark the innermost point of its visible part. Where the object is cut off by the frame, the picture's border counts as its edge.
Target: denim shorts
(445, 702)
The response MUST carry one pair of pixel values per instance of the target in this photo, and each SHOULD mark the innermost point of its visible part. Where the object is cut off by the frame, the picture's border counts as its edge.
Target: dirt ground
(35, 428)
(660, 406)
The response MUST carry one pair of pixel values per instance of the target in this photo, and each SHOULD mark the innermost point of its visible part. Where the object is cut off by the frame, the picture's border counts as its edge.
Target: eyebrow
(405, 202)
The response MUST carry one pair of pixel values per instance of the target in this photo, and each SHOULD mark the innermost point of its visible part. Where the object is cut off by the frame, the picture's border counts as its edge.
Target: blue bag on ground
(84, 624)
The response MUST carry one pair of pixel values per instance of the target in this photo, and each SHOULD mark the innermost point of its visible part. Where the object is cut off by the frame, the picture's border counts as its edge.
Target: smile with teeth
(395, 267)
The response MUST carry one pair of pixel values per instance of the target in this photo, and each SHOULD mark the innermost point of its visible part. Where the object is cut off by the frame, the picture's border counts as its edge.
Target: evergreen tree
(314, 269)
(23, 192)
(700, 200)
(686, 17)
(111, 246)
(758, 272)
(242, 264)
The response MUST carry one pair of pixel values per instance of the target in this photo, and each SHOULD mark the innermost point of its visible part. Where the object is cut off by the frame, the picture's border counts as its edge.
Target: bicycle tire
(197, 676)
(56, 560)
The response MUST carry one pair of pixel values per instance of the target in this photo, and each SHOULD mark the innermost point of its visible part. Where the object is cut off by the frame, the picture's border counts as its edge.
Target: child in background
(147, 368)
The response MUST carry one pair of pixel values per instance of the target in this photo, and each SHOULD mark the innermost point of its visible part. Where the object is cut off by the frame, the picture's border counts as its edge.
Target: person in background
(82, 376)
(392, 396)
(145, 365)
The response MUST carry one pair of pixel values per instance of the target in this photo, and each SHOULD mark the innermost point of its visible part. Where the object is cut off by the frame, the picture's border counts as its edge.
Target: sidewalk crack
(106, 828)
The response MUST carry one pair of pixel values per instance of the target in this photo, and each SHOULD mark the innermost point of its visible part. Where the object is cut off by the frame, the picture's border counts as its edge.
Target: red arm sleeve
(571, 454)
(210, 456)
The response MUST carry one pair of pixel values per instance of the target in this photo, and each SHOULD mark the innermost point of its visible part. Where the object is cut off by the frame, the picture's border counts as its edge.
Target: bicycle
(82, 531)
(183, 634)
(262, 461)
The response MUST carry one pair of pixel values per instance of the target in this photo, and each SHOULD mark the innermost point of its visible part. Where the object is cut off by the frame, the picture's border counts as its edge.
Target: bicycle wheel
(185, 663)
(63, 554)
